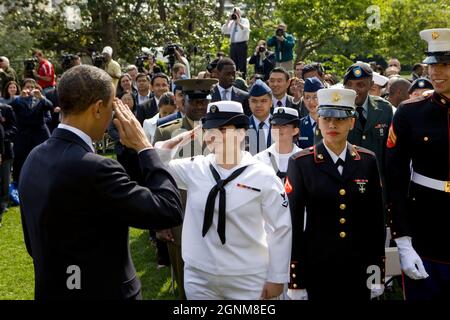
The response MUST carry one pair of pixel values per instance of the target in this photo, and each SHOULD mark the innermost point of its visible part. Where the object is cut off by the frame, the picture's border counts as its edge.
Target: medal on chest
(361, 185)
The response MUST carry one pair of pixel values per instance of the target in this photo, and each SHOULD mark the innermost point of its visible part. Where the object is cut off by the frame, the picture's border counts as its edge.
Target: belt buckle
(447, 186)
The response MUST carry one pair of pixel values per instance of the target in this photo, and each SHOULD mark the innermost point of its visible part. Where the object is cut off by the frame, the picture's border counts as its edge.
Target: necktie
(361, 117)
(209, 208)
(280, 174)
(279, 103)
(234, 32)
(225, 95)
(339, 163)
(261, 137)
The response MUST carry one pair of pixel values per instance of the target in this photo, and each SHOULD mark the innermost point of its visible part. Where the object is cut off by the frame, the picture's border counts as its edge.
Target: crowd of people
(278, 185)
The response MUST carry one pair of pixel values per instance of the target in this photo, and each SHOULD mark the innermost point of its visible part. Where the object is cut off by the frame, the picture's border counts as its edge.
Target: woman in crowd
(237, 230)
(125, 85)
(285, 131)
(32, 110)
(295, 90)
(10, 92)
(334, 193)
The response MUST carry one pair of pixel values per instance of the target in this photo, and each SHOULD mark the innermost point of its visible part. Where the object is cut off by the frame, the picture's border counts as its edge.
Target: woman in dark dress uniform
(338, 247)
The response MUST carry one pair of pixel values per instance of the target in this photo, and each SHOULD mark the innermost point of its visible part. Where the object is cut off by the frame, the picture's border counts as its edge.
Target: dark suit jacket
(8, 121)
(76, 209)
(237, 95)
(146, 110)
(267, 65)
(300, 107)
(31, 123)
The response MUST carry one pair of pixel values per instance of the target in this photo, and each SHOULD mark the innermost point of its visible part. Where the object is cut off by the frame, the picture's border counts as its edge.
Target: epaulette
(304, 152)
(170, 123)
(425, 96)
(363, 150)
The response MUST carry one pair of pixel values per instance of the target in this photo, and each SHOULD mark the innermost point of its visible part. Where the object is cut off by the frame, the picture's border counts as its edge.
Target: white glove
(410, 261)
(297, 294)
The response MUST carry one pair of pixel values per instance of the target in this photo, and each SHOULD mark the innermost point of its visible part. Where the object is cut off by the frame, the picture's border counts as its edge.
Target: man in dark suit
(160, 85)
(77, 206)
(279, 83)
(225, 91)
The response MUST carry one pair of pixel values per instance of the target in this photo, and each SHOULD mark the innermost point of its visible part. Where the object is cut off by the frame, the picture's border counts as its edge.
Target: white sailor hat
(380, 80)
(282, 115)
(438, 45)
(222, 113)
(336, 103)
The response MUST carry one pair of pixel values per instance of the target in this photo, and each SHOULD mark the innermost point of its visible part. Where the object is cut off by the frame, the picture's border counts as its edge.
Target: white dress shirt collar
(79, 133)
(334, 156)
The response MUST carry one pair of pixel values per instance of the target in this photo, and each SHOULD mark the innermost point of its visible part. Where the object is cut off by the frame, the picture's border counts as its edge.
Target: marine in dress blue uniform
(341, 236)
(418, 179)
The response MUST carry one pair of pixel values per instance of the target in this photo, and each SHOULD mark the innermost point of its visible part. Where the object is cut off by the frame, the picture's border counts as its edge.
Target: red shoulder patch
(288, 186)
(392, 138)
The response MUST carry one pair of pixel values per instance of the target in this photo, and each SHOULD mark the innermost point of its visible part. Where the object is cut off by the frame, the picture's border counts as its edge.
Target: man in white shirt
(238, 29)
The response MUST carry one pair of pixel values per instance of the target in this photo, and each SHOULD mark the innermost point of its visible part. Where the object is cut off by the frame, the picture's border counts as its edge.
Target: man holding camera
(284, 47)
(112, 67)
(238, 29)
(263, 59)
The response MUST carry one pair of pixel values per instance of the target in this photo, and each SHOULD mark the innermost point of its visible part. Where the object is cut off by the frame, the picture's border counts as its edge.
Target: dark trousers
(435, 287)
(238, 53)
(5, 179)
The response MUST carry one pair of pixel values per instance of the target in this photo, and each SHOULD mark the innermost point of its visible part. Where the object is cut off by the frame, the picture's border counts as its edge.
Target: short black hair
(81, 86)
(316, 66)
(416, 66)
(160, 75)
(167, 98)
(224, 62)
(281, 70)
(142, 75)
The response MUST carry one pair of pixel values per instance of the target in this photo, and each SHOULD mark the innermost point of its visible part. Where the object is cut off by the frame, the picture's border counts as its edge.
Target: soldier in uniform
(341, 239)
(374, 113)
(196, 98)
(418, 179)
(308, 124)
(236, 239)
(419, 87)
(285, 131)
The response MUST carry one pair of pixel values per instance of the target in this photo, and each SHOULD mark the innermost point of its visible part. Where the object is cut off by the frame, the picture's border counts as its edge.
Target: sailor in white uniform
(285, 130)
(236, 240)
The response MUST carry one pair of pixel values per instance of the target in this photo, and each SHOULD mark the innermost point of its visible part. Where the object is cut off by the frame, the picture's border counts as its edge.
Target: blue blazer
(306, 138)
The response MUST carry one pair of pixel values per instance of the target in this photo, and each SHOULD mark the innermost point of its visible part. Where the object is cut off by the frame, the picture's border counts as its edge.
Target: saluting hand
(130, 130)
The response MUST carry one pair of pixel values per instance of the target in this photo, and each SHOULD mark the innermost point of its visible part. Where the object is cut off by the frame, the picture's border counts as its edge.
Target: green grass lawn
(16, 266)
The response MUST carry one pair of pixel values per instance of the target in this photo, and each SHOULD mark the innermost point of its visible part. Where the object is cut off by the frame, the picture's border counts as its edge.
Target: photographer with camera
(45, 75)
(238, 29)
(263, 59)
(112, 67)
(284, 47)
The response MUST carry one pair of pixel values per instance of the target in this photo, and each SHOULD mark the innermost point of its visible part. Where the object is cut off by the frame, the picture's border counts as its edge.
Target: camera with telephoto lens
(279, 32)
(140, 61)
(30, 64)
(262, 49)
(29, 67)
(169, 51)
(234, 16)
(68, 61)
(99, 60)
